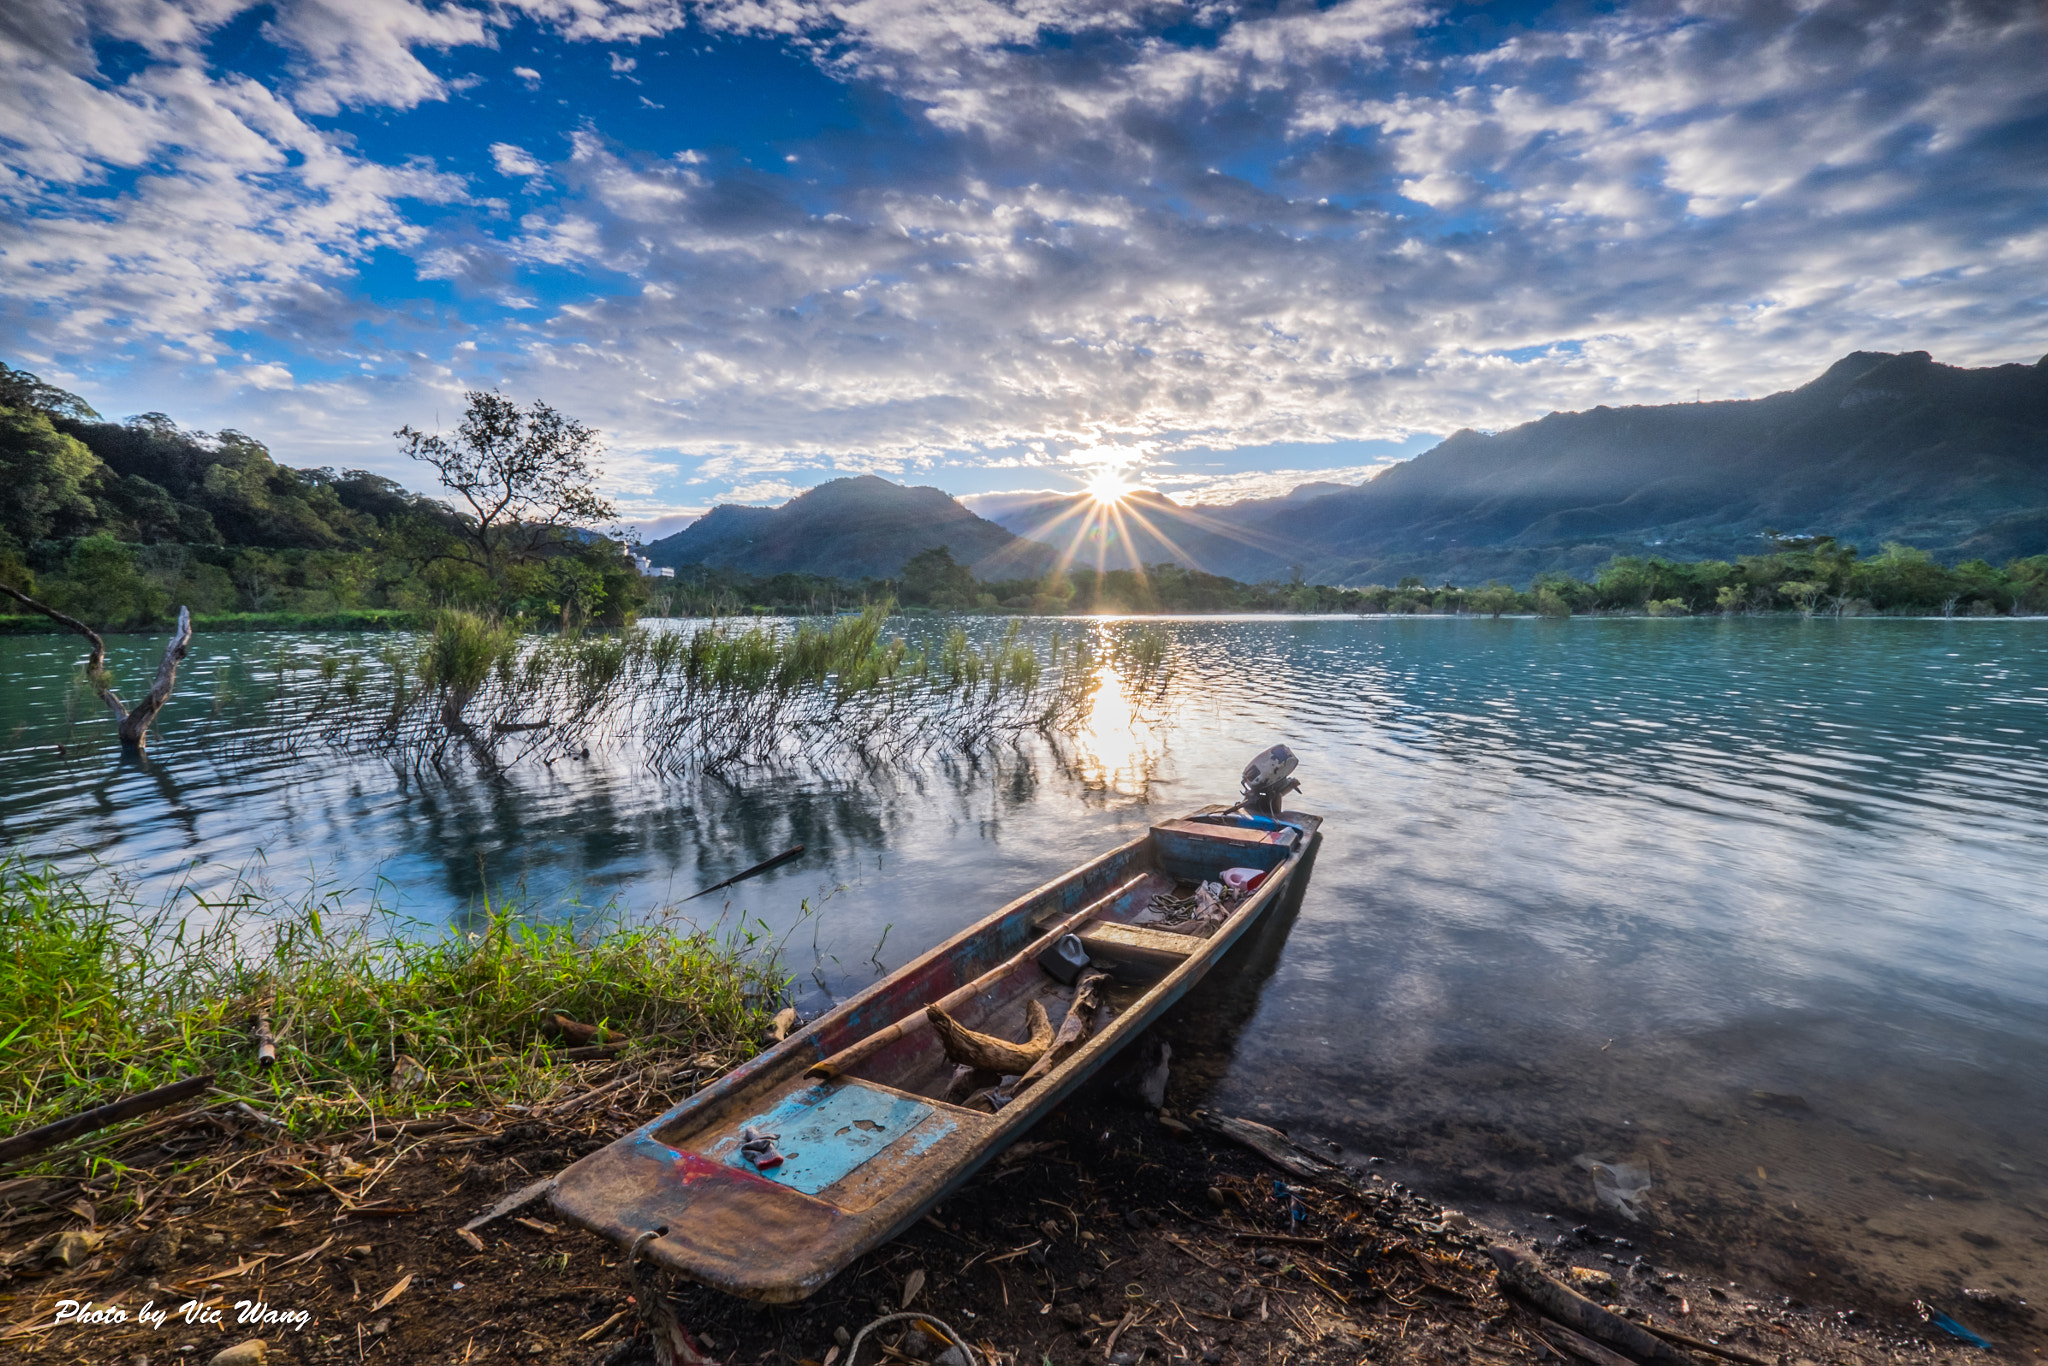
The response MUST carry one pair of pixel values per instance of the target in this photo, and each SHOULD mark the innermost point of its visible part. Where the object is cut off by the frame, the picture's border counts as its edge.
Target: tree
(526, 477)
(49, 478)
(934, 578)
(20, 389)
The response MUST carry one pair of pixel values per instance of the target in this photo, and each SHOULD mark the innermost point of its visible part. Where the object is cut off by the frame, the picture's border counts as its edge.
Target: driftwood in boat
(856, 1054)
(987, 1052)
(1074, 1030)
(966, 1081)
(134, 721)
(1567, 1306)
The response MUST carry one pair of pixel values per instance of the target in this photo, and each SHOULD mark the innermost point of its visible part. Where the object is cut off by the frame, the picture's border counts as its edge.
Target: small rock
(952, 1356)
(1217, 1198)
(1591, 1281)
(159, 1251)
(1457, 1220)
(1071, 1315)
(254, 1352)
(919, 1345)
(1267, 1259)
(842, 1337)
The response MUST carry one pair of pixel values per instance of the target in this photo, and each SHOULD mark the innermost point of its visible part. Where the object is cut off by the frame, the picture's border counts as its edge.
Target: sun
(1108, 487)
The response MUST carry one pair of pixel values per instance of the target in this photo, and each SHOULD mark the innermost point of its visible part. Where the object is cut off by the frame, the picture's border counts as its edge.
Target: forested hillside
(121, 523)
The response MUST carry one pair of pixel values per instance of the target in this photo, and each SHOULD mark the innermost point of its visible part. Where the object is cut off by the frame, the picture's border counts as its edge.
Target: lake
(1752, 906)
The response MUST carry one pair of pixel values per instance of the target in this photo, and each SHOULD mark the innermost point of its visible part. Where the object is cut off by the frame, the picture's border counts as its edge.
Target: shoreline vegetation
(1900, 582)
(1801, 577)
(107, 996)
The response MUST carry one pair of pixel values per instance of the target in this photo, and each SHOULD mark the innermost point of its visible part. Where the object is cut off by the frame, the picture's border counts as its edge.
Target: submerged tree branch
(95, 664)
(135, 726)
(134, 722)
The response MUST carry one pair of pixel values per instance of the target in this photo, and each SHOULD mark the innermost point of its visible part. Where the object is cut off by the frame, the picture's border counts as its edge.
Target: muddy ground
(1114, 1234)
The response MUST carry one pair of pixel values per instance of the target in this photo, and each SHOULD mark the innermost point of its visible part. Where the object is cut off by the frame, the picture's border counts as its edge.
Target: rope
(940, 1324)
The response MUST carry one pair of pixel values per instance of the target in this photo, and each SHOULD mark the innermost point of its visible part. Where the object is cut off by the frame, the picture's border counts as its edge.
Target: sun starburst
(1108, 487)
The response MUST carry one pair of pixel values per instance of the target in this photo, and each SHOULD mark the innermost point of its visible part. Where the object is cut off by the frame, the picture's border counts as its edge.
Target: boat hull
(871, 1141)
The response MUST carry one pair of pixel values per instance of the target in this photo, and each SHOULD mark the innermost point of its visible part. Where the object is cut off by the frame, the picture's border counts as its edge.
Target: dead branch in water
(134, 721)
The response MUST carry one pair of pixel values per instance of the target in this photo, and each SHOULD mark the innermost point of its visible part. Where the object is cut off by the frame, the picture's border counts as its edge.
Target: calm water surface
(1755, 907)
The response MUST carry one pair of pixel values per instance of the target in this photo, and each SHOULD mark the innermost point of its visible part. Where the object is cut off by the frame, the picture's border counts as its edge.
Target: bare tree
(134, 721)
(526, 477)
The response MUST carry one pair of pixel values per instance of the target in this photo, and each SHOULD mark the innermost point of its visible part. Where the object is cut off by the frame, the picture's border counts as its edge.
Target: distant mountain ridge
(1880, 447)
(854, 528)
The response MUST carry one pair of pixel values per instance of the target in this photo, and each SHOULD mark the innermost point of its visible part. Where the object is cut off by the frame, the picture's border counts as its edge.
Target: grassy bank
(102, 997)
(231, 623)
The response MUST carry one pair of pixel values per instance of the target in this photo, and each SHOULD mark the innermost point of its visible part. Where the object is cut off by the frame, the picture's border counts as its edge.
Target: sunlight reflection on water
(1117, 747)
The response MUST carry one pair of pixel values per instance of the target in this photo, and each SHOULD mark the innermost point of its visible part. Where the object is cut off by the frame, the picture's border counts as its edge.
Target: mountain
(856, 528)
(1879, 448)
(1145, 527)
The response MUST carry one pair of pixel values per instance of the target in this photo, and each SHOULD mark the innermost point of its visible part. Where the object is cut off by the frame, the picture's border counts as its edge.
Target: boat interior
(1138, 928)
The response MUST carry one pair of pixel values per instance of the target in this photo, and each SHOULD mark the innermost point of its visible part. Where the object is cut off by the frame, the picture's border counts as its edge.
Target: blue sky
(1219, 248)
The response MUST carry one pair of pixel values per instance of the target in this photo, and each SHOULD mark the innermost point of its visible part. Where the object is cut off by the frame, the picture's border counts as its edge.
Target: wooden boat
(866, 1137)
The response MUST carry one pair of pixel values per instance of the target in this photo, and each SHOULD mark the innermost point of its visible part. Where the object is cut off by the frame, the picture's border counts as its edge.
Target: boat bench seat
(1108, 939)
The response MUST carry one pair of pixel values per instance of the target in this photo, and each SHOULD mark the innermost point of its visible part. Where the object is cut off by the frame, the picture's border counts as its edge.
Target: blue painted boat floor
(828, 1130)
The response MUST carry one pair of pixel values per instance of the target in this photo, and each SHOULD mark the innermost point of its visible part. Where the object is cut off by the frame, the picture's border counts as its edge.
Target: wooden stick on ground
(100, 1116)
(1276, 1147)
(1565, 1342)
(517, 1200)
(1702, 1345)
(1567, 1306)
(266, 1042)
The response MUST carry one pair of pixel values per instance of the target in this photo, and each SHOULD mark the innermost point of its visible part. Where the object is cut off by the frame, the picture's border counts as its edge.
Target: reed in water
(721, 698)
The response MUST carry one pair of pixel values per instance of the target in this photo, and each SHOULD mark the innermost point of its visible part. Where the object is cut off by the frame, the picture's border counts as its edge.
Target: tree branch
(96, 666)
(135, 726)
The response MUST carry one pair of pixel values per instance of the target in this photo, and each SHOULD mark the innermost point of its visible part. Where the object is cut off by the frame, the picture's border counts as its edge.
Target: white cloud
(513, 161)
(270, 376)
(1674, 195)
(763, 491)
(355, 53)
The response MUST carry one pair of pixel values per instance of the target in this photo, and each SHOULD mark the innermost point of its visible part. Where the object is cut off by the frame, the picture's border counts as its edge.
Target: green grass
(101, 997)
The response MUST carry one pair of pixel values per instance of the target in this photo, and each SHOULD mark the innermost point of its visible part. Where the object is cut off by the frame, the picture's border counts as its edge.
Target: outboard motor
(1267, 782)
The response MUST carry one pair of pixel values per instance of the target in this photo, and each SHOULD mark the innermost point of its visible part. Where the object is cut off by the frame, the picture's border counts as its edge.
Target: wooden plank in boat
(1161, 947)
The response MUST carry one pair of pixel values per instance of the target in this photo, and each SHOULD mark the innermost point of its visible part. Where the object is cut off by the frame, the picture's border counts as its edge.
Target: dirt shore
(1113, 1234)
